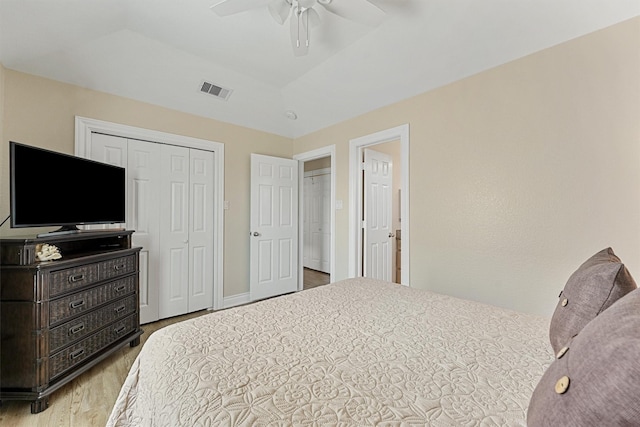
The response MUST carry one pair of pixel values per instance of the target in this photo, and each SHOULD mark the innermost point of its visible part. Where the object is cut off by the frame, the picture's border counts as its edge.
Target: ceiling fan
(303, 14)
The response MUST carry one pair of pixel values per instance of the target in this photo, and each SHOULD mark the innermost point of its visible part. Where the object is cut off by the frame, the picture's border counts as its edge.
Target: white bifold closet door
(143, 216)
(186, 224)
(170, 207)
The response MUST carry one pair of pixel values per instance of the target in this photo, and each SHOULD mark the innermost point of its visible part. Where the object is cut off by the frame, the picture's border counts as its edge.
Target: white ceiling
(159, 51)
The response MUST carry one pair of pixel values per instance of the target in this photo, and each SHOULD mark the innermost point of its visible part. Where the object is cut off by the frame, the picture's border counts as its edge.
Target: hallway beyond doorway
(314, 278)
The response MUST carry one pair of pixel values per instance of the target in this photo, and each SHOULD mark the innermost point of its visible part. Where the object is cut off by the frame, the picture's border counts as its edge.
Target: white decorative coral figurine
(48, 252)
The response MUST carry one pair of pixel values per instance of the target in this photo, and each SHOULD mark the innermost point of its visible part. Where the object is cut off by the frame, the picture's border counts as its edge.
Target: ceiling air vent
(217, 91)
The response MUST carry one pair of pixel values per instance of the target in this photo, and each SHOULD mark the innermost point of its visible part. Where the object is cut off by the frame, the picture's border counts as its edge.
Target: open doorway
(316, 217)
(316, 224)
(357, 206)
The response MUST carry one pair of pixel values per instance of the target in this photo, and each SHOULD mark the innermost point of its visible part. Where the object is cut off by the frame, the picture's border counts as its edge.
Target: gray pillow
(595, 285)
(595, 381)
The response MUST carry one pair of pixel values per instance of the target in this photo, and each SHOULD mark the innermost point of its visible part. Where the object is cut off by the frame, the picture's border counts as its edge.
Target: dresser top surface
(63, 237)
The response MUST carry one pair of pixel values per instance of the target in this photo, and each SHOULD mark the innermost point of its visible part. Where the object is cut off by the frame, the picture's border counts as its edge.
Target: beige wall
(322, 163)
(519, 173)
(41, 112)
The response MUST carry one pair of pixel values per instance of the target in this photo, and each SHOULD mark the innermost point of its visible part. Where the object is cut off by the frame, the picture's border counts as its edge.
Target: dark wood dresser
(60, 318)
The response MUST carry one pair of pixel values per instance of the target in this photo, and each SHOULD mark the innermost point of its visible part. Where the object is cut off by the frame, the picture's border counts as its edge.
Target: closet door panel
(306, 225)
(317, 231)
(201, 230)
(317, 211)
(111, 150)
(325, 223)
(174, 231)
(143, 215)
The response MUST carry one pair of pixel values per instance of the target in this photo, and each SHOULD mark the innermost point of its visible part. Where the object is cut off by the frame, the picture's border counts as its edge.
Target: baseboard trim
(236, 300)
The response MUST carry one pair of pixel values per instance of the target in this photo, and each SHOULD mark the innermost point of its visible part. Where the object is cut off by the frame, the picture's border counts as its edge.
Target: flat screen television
(48, 188)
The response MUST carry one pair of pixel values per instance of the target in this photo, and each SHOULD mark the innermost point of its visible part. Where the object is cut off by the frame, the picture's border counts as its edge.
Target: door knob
(256, 234)
(392, 235)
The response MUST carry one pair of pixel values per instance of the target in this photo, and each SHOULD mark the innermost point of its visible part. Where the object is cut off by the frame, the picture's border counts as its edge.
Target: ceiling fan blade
(361, 11)
(299, 35)
(230, 7)
(279, 9)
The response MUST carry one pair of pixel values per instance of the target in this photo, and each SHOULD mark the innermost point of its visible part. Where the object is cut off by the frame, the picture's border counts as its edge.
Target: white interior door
(274, 226)
(201, 230)
(174, 231)
(378, 180)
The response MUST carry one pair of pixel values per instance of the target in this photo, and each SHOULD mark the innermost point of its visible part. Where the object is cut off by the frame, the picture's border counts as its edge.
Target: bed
(356, 352)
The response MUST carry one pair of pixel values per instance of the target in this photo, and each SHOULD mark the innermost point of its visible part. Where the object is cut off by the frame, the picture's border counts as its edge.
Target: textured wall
(519, 173)
(41, 112)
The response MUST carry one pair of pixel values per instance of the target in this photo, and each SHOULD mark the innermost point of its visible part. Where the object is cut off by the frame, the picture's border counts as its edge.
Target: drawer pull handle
(119, 267)
(120, 330)
(75, 329)
(120, 309)
(76, 304)
(76, 278)
(121, 288)
(76, 354)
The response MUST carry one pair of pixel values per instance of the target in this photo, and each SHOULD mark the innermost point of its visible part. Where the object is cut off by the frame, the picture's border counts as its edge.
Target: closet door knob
(256, 234)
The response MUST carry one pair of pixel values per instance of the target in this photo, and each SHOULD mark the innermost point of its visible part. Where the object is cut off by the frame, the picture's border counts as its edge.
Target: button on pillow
(595, 285)
(595, 380)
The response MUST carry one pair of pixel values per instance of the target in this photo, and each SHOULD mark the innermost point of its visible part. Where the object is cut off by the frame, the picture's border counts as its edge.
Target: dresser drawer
(64, 308)
(89, 323)
(118, 267)
(75, 354)
(72, 278)
(69, 279)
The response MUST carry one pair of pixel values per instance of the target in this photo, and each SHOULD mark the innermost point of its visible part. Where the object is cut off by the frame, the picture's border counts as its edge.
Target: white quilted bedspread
(359, 352)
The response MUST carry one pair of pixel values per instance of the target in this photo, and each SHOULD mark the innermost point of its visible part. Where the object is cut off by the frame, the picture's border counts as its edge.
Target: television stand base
(75, 230)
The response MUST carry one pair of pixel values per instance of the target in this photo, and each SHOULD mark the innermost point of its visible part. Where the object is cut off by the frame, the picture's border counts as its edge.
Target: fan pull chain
(298, 15)
(307, 16)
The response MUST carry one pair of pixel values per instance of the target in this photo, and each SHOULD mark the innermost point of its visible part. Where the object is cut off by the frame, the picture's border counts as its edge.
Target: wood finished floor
(87, 400)
(314, 278)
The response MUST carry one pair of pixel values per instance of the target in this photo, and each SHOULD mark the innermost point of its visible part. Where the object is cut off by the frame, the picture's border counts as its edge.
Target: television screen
(55, 189)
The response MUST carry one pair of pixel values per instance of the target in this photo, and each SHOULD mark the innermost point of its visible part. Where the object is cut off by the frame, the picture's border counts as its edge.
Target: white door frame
(85, 126)
(329, 150)
(355, 196)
